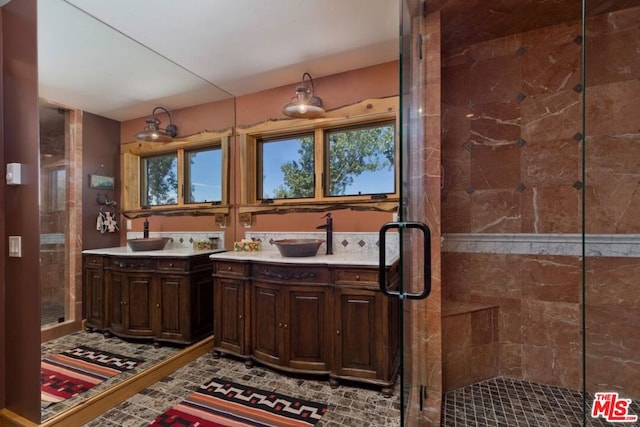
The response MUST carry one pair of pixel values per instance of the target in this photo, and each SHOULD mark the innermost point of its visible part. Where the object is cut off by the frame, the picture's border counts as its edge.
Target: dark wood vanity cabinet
(366, 344)
(164, 299)
(308, 319)
(94, 295)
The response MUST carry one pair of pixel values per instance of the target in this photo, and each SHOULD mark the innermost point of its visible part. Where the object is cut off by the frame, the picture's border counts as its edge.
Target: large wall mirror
(85, 119)
(80, 117)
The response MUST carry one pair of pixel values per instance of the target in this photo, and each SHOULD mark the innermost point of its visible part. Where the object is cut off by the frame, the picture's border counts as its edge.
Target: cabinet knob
(170, 264)
(229, 268)
(286, 326)
(338, 332)
(158, 305)
(240, 316)
(357, 277)
(121, 302)
(279, 325)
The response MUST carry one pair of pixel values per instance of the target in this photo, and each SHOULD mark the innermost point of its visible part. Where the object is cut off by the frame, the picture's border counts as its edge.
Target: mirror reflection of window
(286, 167)
(361, 160)
(203, 176)
(160, 175)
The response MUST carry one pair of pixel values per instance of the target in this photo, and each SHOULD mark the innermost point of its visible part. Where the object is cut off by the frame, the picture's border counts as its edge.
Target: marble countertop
(350, 259)
(167, 252)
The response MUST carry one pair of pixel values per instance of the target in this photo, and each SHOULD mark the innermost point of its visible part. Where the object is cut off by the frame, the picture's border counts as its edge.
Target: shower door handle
(382, 275)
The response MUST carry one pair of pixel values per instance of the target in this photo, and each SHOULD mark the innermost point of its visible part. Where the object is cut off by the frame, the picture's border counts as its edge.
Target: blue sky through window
(206, 176)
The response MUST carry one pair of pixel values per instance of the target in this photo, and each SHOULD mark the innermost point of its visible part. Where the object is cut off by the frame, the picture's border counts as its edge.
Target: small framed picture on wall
(102, 182)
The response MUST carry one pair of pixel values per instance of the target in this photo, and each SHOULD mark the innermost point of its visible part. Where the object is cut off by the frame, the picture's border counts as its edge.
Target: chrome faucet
(145, 229)
(328, 225)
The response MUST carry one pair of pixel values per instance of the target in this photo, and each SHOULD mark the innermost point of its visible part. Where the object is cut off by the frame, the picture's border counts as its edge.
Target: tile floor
(496, 402)
(145, 350)
(506, 402)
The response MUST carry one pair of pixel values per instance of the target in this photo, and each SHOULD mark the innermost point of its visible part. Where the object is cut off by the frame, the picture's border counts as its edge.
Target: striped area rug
(75, 371)
(223, 403)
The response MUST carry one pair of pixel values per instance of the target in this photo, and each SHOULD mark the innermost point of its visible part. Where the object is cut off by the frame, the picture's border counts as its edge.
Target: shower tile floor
(505, 402)
(495, 402)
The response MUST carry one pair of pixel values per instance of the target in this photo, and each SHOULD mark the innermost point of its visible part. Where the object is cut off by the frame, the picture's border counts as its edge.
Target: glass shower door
(414, 235)
(612, 212)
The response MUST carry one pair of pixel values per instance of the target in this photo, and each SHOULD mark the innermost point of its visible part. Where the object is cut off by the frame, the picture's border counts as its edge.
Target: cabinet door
(306, 329)
(266, 322)
(94, 298)
(171, 308)
(138, 304)
(355, 333)
(200, 312)
(230, 316)
(116, 284)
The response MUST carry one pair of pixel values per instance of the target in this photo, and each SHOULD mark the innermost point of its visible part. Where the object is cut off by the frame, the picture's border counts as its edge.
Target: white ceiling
(121, 58)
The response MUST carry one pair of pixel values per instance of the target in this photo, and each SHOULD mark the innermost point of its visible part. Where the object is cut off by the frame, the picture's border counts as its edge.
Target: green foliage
(162, 180)
(351, 153)
(298, 175)
(356, 151)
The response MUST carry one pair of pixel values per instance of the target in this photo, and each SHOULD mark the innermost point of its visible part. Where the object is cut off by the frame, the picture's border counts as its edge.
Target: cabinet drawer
(357, 277)
(172, 264)
(93, 261)
(288, 273)
(126, 263)
(230, 268)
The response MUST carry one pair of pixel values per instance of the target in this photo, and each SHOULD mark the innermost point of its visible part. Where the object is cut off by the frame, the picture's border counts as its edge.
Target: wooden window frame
(363, 113)
(132, 154)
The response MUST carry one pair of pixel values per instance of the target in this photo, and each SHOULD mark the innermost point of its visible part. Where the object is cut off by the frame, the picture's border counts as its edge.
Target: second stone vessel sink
(148, 244)
(298, 247)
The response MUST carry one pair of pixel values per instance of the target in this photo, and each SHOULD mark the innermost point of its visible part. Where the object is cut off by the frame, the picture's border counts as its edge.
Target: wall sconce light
(304, 105)
(154, 133)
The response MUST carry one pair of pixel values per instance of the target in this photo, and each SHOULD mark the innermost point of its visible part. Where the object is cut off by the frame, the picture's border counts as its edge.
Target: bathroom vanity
(321, 315)
(162, 295)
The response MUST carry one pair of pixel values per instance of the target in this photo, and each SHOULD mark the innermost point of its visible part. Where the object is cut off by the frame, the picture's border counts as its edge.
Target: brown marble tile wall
(511, 116)
(538, 313)
(613, 316)
(512, 122)
(512, 131)
(469, 345)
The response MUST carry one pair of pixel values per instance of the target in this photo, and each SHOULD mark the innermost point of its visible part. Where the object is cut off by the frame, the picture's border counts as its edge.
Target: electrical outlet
(129, 224)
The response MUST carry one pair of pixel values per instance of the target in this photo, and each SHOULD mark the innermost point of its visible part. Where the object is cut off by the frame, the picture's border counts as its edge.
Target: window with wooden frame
(346, 159)
(189, 175)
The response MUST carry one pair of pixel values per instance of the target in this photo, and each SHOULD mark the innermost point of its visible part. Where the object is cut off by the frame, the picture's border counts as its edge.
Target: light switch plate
(15, 246)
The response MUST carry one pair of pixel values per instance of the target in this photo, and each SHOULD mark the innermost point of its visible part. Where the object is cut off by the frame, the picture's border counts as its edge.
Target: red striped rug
(75, 371)
(223, 403)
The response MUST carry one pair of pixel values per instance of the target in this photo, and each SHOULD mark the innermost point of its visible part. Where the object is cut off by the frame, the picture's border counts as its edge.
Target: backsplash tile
(181, 239)
(342, 242)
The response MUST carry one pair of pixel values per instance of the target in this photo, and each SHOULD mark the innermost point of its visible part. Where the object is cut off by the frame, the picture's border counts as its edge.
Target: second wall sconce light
(304, 105)
(154, 133)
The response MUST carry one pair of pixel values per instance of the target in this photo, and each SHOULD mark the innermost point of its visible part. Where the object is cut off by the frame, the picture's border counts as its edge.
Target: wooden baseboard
(9, 418)
(100, 403)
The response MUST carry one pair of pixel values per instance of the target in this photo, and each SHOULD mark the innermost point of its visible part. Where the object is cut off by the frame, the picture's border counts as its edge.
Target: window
(160, 180)
(203, 176)
(187, 175)
(353, 162)
(360, 160)
(286, 167)
(345, 159)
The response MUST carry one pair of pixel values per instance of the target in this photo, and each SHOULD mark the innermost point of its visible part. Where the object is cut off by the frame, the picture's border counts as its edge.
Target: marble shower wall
(512, 132)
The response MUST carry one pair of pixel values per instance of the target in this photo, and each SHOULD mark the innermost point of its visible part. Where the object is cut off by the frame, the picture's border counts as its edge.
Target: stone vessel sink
(148, 244)
(298, 247)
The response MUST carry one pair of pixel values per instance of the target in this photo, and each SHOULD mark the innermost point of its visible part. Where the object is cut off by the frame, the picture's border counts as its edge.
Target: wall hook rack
(105, 201)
